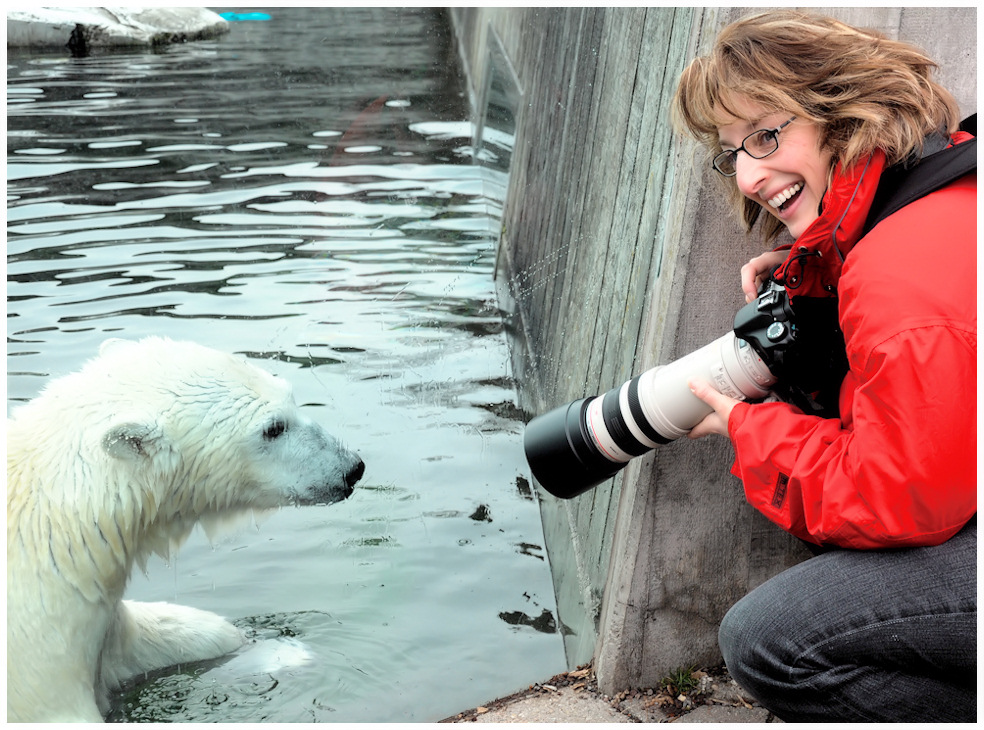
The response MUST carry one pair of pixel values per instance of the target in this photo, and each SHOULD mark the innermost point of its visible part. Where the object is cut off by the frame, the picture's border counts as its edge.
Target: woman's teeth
(785, 195)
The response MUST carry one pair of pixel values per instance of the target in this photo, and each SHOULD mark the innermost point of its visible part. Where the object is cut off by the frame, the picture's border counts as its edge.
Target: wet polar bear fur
(121, 460)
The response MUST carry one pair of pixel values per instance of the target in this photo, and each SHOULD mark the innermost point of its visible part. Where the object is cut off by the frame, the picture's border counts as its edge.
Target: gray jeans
(882, 635)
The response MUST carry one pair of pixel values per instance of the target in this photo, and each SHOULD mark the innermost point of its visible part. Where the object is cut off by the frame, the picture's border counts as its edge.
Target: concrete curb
(574, 697)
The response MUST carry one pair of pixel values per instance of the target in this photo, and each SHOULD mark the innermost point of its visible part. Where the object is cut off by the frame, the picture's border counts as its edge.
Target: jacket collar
(814, 264)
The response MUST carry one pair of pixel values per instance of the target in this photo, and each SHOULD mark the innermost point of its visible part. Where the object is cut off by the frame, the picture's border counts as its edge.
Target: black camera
(577, 446)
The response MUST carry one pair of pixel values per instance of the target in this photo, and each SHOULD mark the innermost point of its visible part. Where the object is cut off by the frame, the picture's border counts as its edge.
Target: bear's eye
(274, 430)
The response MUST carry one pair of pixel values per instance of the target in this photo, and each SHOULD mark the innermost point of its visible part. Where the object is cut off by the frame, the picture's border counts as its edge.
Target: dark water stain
(544, 623)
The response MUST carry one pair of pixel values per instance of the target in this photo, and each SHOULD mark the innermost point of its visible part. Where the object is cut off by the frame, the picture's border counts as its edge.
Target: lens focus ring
(617, 428)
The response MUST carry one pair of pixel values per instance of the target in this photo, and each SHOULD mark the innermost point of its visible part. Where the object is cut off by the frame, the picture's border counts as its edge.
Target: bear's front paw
(151, 636)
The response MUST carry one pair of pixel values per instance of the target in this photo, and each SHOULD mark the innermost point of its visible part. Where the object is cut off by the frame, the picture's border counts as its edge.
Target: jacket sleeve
(902, 475)
(899, 467)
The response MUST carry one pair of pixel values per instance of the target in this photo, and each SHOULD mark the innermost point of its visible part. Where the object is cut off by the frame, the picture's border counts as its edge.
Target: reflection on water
(301, 191)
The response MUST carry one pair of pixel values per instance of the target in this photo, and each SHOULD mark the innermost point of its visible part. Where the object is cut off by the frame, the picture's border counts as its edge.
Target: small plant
(682, 681)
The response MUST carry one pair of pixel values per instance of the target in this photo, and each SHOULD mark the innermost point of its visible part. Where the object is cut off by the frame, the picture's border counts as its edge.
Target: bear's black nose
(356, 474)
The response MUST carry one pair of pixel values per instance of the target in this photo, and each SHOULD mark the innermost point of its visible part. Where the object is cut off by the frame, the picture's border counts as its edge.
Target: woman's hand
(757, 271)
(717, 421)
(753, 274)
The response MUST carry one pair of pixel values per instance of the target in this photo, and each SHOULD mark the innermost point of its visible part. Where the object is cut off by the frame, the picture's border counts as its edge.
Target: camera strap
(815, 367)
(939, 166)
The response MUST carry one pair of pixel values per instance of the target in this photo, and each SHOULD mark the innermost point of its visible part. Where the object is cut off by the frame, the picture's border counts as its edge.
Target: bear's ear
(130, 441)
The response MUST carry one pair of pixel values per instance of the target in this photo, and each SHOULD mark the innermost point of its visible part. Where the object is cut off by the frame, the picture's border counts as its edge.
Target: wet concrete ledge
(84, 29)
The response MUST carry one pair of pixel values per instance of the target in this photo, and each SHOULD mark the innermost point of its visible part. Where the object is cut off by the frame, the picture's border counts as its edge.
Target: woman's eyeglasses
(758, 144)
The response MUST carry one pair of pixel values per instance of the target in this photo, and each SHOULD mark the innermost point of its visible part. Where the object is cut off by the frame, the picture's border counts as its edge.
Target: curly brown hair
(864, 90)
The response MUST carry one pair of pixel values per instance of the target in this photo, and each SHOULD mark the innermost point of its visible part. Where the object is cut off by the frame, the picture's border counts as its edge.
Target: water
(302, 191)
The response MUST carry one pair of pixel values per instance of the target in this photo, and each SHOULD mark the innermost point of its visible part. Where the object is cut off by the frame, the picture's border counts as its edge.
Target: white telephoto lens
(672, 409)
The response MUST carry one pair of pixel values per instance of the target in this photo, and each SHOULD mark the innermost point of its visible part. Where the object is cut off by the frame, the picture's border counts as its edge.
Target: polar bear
(121, 460)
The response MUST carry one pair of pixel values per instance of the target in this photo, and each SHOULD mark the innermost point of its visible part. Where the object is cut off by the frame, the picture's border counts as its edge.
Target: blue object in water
(244, 16)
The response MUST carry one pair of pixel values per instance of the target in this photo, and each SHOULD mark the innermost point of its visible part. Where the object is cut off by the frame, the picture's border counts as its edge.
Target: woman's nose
(750, 174)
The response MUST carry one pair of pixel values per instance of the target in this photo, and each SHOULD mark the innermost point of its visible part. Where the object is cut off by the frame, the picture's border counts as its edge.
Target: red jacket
(898, 468)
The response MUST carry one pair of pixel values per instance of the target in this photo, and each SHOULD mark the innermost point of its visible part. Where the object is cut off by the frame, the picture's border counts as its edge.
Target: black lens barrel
(562, 455)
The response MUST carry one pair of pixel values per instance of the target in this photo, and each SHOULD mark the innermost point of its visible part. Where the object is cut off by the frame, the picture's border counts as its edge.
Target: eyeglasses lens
(759, 144)
(725, 163)
(762, 143)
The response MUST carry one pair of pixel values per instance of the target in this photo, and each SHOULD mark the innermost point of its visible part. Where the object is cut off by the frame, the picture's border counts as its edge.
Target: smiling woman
(785, 172)
(872, 175)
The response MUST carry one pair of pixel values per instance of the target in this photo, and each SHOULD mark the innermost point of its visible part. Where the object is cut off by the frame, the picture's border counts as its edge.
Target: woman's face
(789, 184)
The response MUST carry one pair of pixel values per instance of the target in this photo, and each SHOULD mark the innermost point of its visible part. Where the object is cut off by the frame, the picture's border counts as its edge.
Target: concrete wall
(616, 256)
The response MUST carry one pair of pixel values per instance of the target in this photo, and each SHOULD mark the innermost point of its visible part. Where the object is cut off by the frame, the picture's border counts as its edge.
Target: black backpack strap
(969, 125)
(901, 184)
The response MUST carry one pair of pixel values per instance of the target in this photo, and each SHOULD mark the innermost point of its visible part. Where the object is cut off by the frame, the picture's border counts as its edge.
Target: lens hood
(562, 457)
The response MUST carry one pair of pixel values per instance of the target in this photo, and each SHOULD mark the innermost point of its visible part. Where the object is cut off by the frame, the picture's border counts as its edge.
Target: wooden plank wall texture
(619, 255)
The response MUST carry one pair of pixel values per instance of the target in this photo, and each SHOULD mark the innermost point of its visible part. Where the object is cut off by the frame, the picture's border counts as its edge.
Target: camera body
(769, 325)
(576, 447)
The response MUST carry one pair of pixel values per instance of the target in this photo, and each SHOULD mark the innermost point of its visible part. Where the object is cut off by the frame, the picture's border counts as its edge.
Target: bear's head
(216, 432)
(154, 436)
